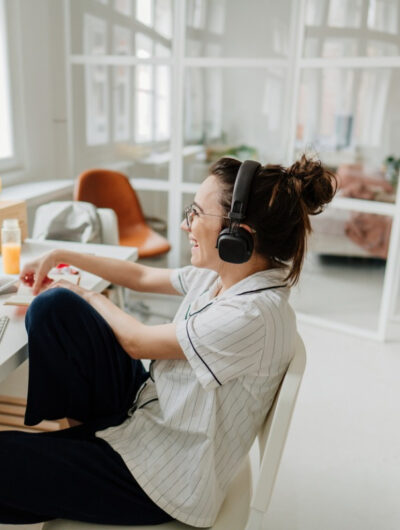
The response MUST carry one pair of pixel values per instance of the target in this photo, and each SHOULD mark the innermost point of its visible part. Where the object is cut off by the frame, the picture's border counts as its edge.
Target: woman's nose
(184, 226)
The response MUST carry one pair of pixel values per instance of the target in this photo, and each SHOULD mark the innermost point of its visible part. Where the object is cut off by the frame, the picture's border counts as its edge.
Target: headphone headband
(241, 190)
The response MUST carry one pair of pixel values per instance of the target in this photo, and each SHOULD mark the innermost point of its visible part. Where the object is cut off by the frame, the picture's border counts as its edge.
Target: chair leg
(119, 291)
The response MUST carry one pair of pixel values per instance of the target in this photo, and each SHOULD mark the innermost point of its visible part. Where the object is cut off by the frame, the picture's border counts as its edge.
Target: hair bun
(314, 183)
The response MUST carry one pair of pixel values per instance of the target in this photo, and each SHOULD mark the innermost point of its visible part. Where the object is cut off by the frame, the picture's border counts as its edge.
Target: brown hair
(280, 202)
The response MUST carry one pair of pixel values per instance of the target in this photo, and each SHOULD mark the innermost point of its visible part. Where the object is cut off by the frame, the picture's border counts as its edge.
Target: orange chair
(110, 189)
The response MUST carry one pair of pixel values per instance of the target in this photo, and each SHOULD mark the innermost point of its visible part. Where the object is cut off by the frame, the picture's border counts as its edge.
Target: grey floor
(341, 465)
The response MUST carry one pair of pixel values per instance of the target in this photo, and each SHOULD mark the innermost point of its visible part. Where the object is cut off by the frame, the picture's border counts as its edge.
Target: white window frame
(96, 76)
(9, 31)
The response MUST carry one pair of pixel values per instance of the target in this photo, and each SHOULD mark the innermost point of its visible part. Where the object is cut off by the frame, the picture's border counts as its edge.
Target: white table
(13, 346)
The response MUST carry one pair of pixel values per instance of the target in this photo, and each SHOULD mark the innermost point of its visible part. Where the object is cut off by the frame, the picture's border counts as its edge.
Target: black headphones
(235, 244)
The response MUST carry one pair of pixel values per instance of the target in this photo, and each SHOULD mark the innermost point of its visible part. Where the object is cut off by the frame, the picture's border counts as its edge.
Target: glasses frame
(189, 213)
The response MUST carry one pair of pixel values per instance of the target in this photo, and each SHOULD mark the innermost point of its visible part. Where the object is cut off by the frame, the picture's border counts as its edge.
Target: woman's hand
(35, 272)
(77, 289)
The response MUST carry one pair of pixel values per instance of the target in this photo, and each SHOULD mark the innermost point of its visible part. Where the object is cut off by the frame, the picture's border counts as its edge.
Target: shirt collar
(258, 280)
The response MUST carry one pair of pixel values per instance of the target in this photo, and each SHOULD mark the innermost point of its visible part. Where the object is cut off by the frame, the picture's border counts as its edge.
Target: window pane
(234, 112)
(123, 7)
(163, 104)
(122, 41)
(163, 18)
(144, 46)
(6, 147)
(144, 79)
(315, 12)
(144, 11)
(232, 29)
(96, 104)
(345, 13)
(95, 35)
(143, 117)
(383, 15)
(341, 268)
(122, 107)
(163, 81)
(162, 51)
(149, 22)
(117, 128)
(343, 31)
(350, 113)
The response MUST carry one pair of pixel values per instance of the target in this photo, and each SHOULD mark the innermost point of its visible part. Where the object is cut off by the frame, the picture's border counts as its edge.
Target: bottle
(11, 246)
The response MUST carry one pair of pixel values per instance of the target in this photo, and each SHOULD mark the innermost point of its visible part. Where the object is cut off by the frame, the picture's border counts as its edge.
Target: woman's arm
(138, 340)
(132, 275)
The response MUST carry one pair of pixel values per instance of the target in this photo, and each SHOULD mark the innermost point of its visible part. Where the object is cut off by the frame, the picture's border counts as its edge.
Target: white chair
(108, 235)
(238, 509)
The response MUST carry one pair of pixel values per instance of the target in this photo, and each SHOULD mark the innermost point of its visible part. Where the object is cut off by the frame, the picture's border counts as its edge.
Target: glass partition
(350, 114)
(351, 28)
(234, 112)
(233, 28)
(122, 118)
(145, 26)
(343, 274)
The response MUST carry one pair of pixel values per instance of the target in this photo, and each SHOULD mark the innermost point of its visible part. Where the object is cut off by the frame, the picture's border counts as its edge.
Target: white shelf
(35, 193)
(361, 205)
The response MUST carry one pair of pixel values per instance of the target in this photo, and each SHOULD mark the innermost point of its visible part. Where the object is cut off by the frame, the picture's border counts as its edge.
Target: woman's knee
(53, 303)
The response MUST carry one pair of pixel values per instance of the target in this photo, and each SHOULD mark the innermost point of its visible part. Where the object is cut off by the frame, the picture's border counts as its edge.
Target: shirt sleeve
(181, 278)
(223, 342)
(191, 278)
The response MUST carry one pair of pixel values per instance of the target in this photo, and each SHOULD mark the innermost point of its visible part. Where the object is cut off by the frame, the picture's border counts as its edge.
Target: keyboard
(3, 324)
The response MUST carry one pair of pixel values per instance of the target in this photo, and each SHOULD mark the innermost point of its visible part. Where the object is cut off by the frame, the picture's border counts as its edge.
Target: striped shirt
(196, 419)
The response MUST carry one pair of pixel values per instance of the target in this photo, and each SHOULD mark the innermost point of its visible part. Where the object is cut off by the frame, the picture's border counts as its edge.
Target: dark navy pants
(77, 369)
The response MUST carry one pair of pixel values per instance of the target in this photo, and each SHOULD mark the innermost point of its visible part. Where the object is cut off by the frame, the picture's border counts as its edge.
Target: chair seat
(149, 242)
(232, 516)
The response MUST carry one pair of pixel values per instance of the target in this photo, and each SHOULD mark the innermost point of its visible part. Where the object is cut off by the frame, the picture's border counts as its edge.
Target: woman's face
(205, 229)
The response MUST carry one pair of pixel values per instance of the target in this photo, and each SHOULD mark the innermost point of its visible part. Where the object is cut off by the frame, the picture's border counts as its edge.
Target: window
(123, 7)
(122, 86)
(96, 85)
(152, 94)
(144, 11)
(6, 133)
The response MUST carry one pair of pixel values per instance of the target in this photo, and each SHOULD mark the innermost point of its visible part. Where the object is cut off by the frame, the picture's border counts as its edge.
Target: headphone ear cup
(235, 247)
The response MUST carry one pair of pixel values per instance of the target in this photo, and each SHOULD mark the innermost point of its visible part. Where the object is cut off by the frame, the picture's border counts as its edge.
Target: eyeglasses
(191, 211)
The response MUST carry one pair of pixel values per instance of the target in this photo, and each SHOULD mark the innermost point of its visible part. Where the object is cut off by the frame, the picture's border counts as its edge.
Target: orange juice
(11, 253)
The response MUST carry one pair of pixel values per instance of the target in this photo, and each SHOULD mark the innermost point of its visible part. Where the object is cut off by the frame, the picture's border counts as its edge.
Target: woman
(149, 447)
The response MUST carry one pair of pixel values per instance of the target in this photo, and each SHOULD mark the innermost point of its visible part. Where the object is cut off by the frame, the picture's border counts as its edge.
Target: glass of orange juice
(11, 246)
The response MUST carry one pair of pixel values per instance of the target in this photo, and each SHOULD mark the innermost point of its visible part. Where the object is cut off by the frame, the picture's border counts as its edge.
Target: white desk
(13, 347)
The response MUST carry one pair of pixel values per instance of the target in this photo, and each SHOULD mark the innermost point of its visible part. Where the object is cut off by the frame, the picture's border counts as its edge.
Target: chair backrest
(67, 221)
(273, 434)
(76, 221)
(110, 189)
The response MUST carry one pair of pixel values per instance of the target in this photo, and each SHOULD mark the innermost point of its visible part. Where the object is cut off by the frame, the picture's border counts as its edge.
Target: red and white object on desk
(24, 296)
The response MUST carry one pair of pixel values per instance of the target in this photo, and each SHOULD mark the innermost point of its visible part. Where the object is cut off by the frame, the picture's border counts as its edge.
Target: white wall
(37, 59)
